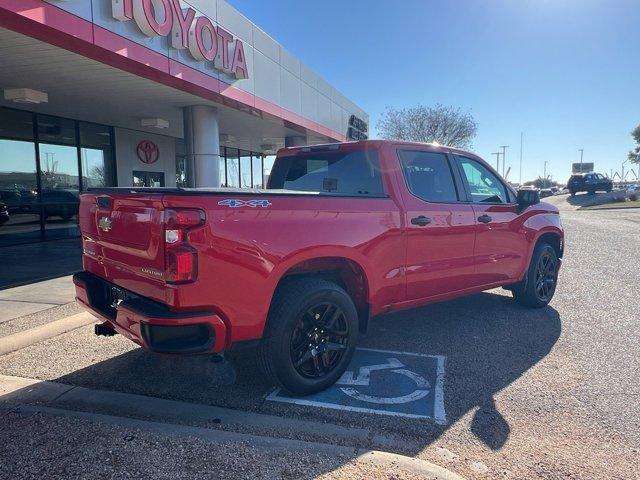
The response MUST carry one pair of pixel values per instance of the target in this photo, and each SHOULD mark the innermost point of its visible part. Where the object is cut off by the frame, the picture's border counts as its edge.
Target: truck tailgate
(122, 240)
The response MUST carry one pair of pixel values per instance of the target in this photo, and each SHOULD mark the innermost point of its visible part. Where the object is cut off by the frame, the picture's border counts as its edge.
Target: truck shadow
(488, 341)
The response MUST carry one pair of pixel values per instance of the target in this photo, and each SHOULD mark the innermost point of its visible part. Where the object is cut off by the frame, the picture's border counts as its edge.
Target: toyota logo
(148, 152)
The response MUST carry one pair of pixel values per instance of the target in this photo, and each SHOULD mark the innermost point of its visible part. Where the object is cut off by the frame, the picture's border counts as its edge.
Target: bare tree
(634, 155)
(442, 124)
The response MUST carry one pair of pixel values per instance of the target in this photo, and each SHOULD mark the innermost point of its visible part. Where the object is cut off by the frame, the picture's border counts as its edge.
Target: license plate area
(116, 295)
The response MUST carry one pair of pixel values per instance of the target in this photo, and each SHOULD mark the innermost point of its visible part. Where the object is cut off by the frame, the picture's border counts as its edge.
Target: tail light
(181, 259)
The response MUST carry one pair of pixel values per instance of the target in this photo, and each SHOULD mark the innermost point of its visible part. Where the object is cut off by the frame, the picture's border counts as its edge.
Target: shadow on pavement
(488, 341)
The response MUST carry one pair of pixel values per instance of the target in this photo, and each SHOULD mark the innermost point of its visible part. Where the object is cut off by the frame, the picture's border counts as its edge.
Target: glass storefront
(45, 162)
(241, 168)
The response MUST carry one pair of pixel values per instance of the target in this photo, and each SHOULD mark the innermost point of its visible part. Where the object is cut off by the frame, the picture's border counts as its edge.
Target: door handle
(484, 218)
(421, 221)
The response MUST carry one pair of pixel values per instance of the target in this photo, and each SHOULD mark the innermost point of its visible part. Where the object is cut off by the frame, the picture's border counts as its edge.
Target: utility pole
(521, 137)
(497, 154)
(504, 157)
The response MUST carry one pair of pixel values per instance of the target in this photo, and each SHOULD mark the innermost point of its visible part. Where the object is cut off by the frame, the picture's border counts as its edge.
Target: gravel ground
(550, 393)
(20, 324)
(46, 446)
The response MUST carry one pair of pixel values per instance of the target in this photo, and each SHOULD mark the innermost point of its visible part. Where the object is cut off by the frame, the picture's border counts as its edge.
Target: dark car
(589, 182)
(60, 203)
(546, 192)
(4, 214)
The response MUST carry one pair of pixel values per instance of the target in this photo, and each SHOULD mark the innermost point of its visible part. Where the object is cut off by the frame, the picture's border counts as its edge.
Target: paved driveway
(546, 393)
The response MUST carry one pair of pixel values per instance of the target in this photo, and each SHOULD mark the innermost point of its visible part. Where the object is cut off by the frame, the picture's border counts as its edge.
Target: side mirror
(526, 198)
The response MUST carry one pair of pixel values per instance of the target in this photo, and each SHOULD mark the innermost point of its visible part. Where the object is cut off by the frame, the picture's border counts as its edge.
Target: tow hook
(104, 330)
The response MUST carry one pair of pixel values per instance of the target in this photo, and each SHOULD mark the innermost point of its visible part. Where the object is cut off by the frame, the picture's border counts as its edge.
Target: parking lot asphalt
(550, 393)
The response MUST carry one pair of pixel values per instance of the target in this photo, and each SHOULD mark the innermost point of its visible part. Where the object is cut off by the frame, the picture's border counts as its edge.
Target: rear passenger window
(428, 176)
(349, 173)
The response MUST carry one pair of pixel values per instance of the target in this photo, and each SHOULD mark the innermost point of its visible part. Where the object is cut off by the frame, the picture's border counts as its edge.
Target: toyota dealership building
(144, 93)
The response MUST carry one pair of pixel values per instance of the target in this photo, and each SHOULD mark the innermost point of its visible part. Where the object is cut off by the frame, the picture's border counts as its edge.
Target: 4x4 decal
(235, 203)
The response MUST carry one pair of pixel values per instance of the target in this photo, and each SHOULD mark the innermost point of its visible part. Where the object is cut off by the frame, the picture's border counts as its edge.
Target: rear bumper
(149, 323)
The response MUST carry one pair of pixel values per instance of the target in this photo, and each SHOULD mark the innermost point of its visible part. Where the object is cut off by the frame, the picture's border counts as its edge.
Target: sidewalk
(28, 299)
(25, 264)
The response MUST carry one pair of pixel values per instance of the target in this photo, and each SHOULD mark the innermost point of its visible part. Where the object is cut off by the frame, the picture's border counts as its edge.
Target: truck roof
(371, 144)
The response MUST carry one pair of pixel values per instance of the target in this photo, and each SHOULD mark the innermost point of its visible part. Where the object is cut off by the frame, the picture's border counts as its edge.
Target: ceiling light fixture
(25, 95)
(154, 123)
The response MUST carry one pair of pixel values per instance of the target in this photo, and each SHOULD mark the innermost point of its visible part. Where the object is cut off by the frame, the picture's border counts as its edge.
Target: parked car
(4, 214)
(546, 192)
(589, 182)
(343, 232)
(60, 203)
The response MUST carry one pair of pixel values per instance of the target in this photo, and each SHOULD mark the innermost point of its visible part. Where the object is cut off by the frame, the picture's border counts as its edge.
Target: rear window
(347, 173)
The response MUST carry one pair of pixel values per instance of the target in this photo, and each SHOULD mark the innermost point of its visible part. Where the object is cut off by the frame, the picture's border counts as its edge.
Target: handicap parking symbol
(385, 383)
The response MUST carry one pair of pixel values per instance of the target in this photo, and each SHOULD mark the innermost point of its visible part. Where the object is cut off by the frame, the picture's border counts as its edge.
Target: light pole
(504, 157)
(545, 174)
(521, 137)
(497, 154)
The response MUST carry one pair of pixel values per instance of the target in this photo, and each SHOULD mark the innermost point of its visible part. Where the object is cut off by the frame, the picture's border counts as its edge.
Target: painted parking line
(384, 382)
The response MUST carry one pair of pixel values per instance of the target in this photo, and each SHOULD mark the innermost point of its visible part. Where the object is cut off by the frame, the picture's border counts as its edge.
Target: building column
(202, 141)
(295, 141)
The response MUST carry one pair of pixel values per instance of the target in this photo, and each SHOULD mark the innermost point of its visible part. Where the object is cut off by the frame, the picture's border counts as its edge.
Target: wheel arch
(345, 271)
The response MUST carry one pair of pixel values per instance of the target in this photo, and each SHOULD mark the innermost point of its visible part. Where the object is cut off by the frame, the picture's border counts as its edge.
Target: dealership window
(18, 178)
(241, 168)
(257, 171)
(44, 163)
(96, 156)
(233, 167)
(245, 169)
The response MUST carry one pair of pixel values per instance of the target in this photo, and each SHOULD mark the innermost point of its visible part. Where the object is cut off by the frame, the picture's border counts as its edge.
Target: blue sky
(566, 72)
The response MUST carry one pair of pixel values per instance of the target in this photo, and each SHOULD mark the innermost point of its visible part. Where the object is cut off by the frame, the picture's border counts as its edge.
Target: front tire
(311, 334)
(539, 284)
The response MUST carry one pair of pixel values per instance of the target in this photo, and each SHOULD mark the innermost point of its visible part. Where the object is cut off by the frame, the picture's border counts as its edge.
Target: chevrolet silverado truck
(342, 233)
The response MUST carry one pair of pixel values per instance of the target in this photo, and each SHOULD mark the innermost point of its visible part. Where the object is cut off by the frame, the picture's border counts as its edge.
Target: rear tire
(311, 334)
(539, 285)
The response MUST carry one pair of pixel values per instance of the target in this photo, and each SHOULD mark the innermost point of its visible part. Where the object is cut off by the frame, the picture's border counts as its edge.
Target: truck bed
(223, 191)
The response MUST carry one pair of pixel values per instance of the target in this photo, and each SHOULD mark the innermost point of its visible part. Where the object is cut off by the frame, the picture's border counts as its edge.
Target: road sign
(582, 167)
(385, 383)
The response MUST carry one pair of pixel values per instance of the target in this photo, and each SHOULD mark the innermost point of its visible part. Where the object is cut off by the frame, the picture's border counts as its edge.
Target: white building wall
(128, 161)
(274, 74)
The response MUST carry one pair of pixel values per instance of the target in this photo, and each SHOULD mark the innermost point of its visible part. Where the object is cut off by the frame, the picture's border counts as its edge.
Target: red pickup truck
(342, 233)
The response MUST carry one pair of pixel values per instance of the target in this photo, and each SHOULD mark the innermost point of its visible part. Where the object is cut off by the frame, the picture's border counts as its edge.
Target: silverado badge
(104, 224)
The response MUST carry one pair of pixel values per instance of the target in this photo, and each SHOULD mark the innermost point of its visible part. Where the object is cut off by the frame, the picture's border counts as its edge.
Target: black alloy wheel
(311, 335)
(546, 277)
(319, 340)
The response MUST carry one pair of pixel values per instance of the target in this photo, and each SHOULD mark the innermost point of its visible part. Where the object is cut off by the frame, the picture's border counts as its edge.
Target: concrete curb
(420, 467)
(21, 390)
(34, 396)
(19, 340)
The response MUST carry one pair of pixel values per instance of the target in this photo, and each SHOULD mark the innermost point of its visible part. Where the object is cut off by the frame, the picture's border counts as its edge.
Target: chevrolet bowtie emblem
(104, 224)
